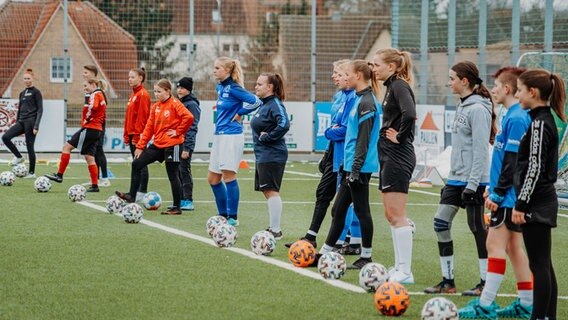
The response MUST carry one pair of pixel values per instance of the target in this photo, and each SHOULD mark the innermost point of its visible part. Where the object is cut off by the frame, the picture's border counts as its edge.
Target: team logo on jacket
(166, 113)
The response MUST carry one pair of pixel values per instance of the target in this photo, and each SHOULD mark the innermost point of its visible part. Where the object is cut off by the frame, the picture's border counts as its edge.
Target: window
(60, 69)
(236, 47)
(183, 47)
(226, 47)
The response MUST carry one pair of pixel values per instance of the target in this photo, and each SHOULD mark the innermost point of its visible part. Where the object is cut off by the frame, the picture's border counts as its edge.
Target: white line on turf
(286, 202)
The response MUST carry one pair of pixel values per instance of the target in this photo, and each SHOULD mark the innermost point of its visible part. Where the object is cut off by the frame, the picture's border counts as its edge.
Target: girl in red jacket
(137, 112)
(167, 123)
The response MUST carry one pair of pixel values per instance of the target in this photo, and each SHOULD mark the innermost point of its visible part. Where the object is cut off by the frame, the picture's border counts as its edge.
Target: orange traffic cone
(244, 165)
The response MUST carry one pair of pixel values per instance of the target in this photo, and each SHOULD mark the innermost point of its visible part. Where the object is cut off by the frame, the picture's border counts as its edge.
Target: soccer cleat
(350, 250)
(54, 177)
(124, 196)
(314, 243)
(104, 182)
(16, 161)
(515, 310)
(445, 286)
(187, 205)
(359, 264)
(93, 188)
(140, 196)
(402, 278)
(477, 311)
(172, 212)
(234, 222)
(475, 291)
(277, 235)
(316, 260)
(30, 176)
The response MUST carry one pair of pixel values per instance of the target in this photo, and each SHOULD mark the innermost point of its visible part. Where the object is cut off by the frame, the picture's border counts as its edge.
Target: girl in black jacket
(536, 207)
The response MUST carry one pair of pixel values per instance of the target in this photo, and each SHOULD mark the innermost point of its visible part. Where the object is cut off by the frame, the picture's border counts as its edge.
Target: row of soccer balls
(7, 178)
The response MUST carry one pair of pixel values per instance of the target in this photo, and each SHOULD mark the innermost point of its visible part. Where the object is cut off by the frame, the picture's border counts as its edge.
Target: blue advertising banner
(322, 122)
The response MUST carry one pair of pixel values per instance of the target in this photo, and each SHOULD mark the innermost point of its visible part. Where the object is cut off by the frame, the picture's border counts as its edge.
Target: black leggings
(143, 173)
(100, 157)
(538, 241)
(22, 127)
(358, 194)
(186, 178)
(325, 192)
(152, 154)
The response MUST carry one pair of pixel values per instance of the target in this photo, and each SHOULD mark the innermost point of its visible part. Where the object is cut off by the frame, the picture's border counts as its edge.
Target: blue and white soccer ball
(439, 308)
(152, 201)
(7, 178)
(225, 235)
(77, 193)
(20, 170)
(42, 184)
(114, 204)
(213, 223)
(132, 213)
(263, 243)
(372, 276)
(331, 265)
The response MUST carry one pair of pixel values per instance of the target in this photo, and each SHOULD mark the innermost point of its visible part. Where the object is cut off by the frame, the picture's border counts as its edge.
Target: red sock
(94, 173)
(63, 163)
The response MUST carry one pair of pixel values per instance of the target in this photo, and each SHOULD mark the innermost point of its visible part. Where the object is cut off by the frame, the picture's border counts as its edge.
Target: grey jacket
(470, 142)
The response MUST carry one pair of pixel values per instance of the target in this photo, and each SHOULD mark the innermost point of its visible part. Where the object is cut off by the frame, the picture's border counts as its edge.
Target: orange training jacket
(137, 111)
(94, 111)
(165, 115)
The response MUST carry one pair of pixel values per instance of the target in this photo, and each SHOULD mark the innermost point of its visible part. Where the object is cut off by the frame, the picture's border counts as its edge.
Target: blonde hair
(340, 62)
(402, 60)
(233, 67)
(101, 84)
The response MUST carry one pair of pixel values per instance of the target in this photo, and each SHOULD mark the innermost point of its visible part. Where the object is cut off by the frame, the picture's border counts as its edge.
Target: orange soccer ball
(302, 253)
(392, 299)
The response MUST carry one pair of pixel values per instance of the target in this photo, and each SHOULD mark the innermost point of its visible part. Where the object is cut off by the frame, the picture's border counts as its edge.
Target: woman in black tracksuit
(29, 115)
(536, 207)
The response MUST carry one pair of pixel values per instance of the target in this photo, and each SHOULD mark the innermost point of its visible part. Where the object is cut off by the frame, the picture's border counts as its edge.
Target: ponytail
(558, 96)
(550, 86)
(233, 67)
(277, 82)
(101, 84)
(141, 72)
(402, 60)
(366, 69)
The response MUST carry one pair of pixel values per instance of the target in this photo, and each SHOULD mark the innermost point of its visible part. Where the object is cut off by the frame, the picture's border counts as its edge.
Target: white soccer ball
(42, 184)
(331, 265)
(7, 178)
(152, 201)
(263, 243)
(77, 193)
(225, 235)
(20, 170)
(213, 223)
(439, 308)
(372, 276)
(114, 204)
(132, 213)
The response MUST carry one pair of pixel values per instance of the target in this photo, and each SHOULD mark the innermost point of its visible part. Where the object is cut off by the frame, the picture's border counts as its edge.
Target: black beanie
(186, 82)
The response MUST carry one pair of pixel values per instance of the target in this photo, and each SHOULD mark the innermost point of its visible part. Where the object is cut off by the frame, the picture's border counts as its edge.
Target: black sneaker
(277, 235)
(314, 243)
(54, 177)
(125, 196)
(359, 264)
(172, 212)
(350, 250)
(445, 286)
(475, 291)
(337, 248)
(93, 188)
(171, 207)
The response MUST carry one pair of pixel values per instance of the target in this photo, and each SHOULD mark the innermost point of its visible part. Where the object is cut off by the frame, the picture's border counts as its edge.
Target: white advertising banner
(429, 133)
(51, 134)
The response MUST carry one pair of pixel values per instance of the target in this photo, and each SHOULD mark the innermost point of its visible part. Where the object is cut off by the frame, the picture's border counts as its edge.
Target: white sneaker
(104, 183)
(140, 196)
(391, 271)
(30, 176)
(16, 161)
(402, 278)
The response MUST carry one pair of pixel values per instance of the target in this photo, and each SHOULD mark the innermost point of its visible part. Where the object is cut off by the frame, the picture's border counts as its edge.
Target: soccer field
(65, 260)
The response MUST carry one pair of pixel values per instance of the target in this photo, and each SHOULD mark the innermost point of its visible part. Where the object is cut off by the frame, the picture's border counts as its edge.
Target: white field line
(285, 202)
(275, 262)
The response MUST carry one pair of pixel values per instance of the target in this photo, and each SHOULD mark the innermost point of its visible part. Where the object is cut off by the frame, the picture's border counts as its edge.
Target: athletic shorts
(167, 154)
(397, 163)
(452, 195)
(226, 152)
(86, 140)
(504, 215)
(268, 176)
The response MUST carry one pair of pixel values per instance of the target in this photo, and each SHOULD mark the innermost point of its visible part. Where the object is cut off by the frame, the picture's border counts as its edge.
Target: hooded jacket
(471, 130)
(192, 104)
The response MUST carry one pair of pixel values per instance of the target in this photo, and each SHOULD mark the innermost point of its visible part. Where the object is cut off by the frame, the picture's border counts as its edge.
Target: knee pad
(443, 222)
(475, 219)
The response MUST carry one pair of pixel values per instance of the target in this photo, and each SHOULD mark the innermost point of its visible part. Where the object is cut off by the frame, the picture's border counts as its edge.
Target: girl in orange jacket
(167, 123)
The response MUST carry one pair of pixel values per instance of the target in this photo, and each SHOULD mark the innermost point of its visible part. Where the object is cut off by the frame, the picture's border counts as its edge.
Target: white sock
(313, 233)
(325, 249)
(483, 269)
(366, 252)
(340, 242)
(447, 264)
(275, 212)
(403, 242)
(355, 240)
(393, 235)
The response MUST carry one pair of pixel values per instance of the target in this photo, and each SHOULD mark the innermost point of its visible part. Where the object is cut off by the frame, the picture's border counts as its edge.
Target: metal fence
(298, 38)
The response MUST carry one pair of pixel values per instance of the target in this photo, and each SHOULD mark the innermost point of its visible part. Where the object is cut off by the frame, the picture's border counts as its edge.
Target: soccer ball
(225, 235)
(391, 299)
(439, 308)
(7, 178)
(213, 223)
(77, 193)
(152, 201)
(20, 170)
(372, 276)
(132, 213)
(42, 184)
(302, 253)
(331, 265)
(114, 204)
(263, 243)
